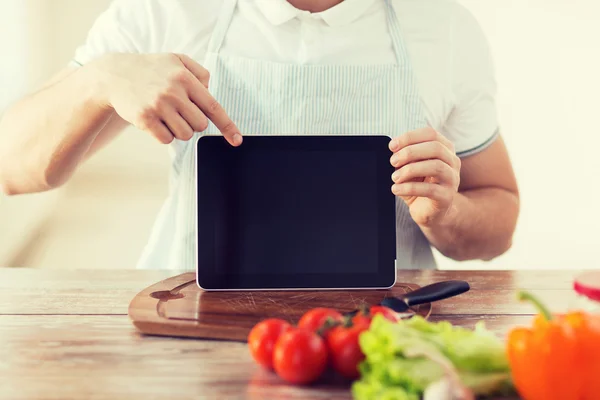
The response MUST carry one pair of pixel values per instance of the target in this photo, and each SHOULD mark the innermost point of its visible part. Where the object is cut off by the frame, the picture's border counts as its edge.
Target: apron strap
(396, 34)
(222, 26)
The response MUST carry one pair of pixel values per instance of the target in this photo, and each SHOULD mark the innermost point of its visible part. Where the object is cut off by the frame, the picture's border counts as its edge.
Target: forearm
(44, 136)
(479, 225)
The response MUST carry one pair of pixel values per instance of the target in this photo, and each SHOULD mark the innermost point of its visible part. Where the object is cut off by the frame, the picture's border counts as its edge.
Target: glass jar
(587, 289)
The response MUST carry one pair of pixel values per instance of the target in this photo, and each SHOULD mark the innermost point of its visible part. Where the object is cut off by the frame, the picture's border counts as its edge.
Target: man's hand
(427, 174)
(165, 95)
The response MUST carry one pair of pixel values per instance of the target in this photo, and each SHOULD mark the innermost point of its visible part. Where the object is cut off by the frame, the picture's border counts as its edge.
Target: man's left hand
(427, 174)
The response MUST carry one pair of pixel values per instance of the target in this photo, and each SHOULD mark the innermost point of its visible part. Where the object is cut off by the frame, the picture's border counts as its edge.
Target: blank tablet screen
(295, 212)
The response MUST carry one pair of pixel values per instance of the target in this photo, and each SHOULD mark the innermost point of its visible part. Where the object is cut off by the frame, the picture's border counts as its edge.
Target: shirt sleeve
(473, 122)
(122, 28)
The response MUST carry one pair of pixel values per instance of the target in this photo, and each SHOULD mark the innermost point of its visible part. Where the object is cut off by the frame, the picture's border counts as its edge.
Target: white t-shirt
(448, 50)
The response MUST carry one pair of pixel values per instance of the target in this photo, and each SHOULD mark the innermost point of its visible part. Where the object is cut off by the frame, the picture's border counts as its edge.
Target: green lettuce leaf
(391, 365)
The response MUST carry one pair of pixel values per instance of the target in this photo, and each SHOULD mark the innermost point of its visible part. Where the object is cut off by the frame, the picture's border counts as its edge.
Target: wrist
(446, 219)
(99, 80)
(443, 232)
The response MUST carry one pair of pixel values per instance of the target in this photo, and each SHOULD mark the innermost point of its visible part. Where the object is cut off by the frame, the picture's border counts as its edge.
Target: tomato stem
(542, 309)
(327, 325)
(347, 323)
(365, 309)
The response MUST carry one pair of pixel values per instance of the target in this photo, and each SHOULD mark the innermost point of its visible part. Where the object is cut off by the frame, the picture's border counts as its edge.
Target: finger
(158, 129)
(421, 189)
(179, 127)
(446, 142)
(423, 151)
(419, 136)
(193, 116)
(196, 69)
(437, 169)
(413, 137)
(215, 112)
(178, 101)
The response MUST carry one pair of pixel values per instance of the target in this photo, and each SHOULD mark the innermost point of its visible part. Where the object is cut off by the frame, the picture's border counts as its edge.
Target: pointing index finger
(215, 112)
(196, 69)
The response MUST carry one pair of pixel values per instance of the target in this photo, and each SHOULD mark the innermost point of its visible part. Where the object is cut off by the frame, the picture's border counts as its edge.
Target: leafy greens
(403, 359)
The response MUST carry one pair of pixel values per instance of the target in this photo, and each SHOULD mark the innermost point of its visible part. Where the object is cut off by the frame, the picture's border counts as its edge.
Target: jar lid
(588, 285)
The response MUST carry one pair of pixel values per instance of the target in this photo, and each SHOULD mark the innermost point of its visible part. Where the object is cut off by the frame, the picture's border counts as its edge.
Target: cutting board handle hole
(166, 295)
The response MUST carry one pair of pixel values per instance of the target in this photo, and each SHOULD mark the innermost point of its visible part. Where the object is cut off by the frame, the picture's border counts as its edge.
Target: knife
(426, 294)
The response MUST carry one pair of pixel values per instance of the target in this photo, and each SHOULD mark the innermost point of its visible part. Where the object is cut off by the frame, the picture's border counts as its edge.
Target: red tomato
(361, 318)
(314, 319)
(387, 313)
(344, 350)
(262, 339)
(300, 356)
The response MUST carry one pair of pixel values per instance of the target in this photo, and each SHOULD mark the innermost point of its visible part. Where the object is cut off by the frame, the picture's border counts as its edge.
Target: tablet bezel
(386, 275)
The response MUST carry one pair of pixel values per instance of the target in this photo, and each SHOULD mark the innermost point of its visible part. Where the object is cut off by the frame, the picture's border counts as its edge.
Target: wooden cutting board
(177, 307)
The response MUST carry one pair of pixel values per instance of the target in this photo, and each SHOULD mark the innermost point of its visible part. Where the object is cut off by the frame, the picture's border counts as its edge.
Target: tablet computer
(295, 213)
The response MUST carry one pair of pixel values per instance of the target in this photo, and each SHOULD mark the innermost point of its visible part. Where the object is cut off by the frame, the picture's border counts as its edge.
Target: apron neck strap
(228, 8)
(396, 34)
(222, 26)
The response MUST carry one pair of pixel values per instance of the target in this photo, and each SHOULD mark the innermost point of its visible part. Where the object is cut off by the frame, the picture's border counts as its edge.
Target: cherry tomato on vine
(364, 317)
(388, 313)
(344, 349)
(315, 319)
(262, 340)
(300, 356)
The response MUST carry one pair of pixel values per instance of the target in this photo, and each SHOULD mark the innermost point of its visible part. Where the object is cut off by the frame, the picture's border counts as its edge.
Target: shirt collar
(279, 12)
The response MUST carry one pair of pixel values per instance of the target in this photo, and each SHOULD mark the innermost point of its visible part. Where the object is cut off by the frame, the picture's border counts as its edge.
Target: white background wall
(547, 56)
(38, 39)
(19, 68)
(548, 61)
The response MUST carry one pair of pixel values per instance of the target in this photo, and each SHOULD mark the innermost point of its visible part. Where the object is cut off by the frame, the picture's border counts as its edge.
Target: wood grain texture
(103, 357)
(32, 291)
(498, 280)
(90, 292)
(178, 307)
(53, 351)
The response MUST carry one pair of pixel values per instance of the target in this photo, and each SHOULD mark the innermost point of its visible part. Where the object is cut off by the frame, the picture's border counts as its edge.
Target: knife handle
(435, 292)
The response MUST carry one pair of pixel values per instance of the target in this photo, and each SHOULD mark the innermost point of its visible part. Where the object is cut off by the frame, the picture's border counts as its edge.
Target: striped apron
(270, 98)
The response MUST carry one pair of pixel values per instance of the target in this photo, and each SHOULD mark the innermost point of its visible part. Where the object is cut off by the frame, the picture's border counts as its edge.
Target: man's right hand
(164, 94)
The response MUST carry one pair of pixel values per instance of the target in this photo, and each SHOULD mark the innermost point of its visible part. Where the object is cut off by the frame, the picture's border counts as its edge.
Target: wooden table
(66, 335)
